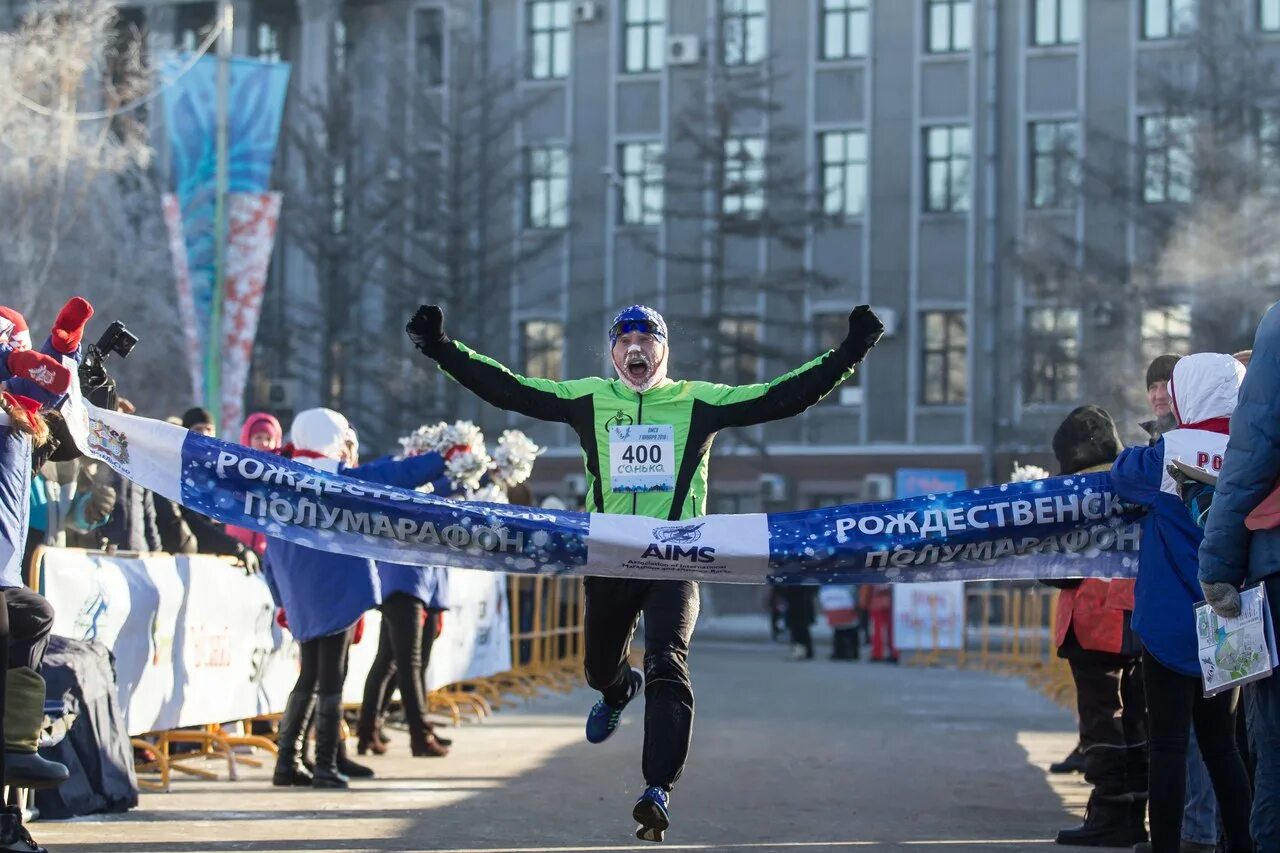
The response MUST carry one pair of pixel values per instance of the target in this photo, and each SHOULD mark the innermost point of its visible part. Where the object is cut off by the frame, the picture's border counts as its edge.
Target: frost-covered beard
(640, 366)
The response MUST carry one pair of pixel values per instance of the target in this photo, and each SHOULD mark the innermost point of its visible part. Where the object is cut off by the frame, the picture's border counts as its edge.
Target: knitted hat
(264, 423)
(1086, 439)
(13, 329)
(1161, 370)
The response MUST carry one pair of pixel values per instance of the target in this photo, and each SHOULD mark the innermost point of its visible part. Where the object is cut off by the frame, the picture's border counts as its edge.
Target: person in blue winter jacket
(323, 595)
(1203, 389)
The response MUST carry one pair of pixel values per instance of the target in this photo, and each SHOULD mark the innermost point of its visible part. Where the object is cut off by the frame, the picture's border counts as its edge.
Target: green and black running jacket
(695, 410)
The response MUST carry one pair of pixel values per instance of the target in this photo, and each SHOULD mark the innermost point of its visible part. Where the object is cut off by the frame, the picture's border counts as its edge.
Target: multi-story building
(940, 137)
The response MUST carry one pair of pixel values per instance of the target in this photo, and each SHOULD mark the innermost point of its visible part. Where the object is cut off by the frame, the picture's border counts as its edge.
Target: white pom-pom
(1028, 473)
(489, 494)
(514, 458)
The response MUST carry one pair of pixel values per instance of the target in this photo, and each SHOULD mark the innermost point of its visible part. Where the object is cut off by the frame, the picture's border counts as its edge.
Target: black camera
(95, 383)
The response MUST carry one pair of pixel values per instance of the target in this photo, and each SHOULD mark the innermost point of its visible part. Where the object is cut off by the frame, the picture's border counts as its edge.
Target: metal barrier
(1009, 630)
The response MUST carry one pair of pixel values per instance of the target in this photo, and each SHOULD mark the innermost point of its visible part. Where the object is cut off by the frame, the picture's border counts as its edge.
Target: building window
(1053, 355)
(743, 175)
(844, 172)
(1163, 19)
(426, 189)
(946, 169)
(1056, 22)
(742, 31)
(950, 25)
(1055, 163)
(640, 174)
(644, 35)
(1167, 170)
(547, 187)
(1269, 146)
(428, 46)
(266, 42)
(195, 22)
(341, 46)
(739, 350)
(1269, 16)
(338, 199)
(844, 29)
(548, 39)
(944, 366)
(1166, 329)
(542, 349)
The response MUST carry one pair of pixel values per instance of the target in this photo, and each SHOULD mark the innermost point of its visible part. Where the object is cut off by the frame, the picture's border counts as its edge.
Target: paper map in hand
(1236, 651)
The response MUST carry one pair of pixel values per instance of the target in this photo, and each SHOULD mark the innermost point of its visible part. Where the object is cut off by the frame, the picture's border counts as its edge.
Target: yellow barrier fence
(1008, 630)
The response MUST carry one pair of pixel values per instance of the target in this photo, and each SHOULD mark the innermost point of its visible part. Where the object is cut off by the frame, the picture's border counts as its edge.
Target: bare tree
(1199, 187)
(416, 200)
(82, 213)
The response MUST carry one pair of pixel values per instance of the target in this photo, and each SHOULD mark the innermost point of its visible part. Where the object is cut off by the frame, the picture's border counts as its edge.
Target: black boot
(1108, 822)
(349, 768)
(328, 733)
(293, 728)
(31, 770)
(1073, 763)
(13, 835)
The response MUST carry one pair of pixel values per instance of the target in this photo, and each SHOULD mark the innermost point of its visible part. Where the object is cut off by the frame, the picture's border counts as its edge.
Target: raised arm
(792, 393)
(543, 399)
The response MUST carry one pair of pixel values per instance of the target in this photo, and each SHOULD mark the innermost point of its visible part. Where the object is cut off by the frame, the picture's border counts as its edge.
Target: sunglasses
(626, 327)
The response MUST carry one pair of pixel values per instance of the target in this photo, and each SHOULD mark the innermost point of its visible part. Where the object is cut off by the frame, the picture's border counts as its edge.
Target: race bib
(642, 458)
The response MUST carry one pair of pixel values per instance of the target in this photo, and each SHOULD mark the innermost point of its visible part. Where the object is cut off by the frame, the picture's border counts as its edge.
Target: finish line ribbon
(1063, 527)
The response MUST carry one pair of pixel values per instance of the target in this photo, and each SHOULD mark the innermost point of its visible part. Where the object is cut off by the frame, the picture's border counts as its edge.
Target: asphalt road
(813, 756)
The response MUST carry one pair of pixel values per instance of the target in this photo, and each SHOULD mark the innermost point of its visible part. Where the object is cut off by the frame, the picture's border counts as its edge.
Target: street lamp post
(213, 347)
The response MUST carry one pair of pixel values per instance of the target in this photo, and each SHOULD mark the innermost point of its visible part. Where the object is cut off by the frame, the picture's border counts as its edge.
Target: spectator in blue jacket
(1232, 555)
(323, 594)
(1203, 392)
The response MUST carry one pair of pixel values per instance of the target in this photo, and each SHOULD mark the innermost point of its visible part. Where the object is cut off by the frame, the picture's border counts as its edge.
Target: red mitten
(46, 372)
(68, 329)
(281, 619)
(20, 407)
(359, 631)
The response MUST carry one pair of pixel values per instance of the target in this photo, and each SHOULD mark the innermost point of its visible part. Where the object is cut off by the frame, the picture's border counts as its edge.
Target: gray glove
(1224, 598)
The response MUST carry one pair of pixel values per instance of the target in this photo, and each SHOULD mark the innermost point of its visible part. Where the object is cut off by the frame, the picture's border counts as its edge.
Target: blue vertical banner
(256, 108)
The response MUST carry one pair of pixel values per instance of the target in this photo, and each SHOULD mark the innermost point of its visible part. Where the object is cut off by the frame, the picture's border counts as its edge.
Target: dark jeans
(403, 652)
(1175, 702)
(1262, 711)
(1113, 725)
(30, 621)
(670, 608)
(323, 668)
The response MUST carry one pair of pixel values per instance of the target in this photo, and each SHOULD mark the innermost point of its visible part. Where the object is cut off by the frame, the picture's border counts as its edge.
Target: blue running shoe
(651, 813)
(604, 718)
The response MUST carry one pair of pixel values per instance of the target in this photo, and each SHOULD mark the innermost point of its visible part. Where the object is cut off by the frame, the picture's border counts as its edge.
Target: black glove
(865, 330)
(426, 329)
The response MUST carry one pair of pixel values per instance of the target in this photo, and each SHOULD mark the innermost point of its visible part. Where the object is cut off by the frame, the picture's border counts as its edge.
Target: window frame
(1175, 19)
(1163, 152)
(751, 177)
(1260, 10)
(737, 357)
(651, 29)
(1154, 345)
(439, 65)
(423, 217)
(956, 202)
(952, 43)
(546, 351)
(843, 169)
(533, 34)
(845, 11)
(945, 356)
(1064, 165)
(540, 179)
(645, 180)
(749, 11)
(1059, 17)
(1036, 358)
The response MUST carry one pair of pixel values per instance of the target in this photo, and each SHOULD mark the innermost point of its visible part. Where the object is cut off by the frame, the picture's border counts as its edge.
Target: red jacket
(1096, 609)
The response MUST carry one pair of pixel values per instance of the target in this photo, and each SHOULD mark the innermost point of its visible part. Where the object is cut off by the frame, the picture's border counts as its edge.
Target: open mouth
(636, 366)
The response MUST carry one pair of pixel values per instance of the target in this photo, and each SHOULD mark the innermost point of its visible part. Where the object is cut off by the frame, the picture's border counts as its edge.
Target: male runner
(681, 418)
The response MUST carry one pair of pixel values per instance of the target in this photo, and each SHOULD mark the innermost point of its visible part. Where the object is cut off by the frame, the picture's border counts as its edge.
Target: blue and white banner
(1055, 528)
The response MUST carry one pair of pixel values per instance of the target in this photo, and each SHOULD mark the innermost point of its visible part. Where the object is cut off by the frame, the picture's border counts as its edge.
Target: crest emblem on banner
(109, 442)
